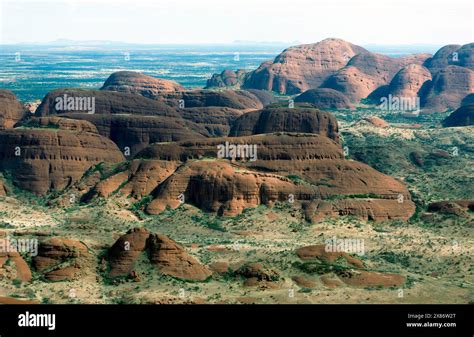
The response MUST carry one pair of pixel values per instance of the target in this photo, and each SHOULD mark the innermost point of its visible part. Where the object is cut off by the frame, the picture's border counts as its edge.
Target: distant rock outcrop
(53, 157)
(453, 54)
(463, 116)
(11, 110)
(302, 67)
(366, 72)
(137, 83)
(228, 78)
(277, 119)
(175, 96)
(449, 87)
(325, 98)
(235, 99)
(169, 257)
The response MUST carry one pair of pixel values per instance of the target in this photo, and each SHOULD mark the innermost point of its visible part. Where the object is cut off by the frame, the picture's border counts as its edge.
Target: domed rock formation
(325, 98)
(453, 54)
(228, 78)
(235, 99)
(366, 72)
(463, 116)
(277, 119)
(169, 257)
(52, 157)
(409, 81)
(11, 110)
(449, 87)
(137, 83)
(61, 259)
(104, 103)
(302, 67)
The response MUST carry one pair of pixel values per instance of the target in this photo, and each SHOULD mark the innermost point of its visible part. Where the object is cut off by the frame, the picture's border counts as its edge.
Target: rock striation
(53, 157)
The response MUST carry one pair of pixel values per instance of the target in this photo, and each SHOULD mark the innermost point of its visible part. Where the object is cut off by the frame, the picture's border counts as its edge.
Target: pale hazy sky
(224, 21)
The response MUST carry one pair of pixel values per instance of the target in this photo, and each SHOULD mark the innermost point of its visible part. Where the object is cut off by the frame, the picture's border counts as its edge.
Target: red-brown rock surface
(169, 257)
(227, 78)
(106, 102)
(366, 72)
(136, 132)
(41, 159)
(277, 119)
(13, 266)
(408, 82)
(452, 54)
(60, 259)
(136, 83)
(229, 187)
(11, 110)
(325, 98)
(449, 86)
(302, 67)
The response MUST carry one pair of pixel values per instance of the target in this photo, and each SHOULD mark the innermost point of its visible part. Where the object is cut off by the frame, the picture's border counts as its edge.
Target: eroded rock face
(52, 158)
(169, 257)
(450, 85)
(61, 259)
(277, 119)
(227, 187)
(302, 67)
(325, 98)
(136, 83)
(464, 116)
(11, 110)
